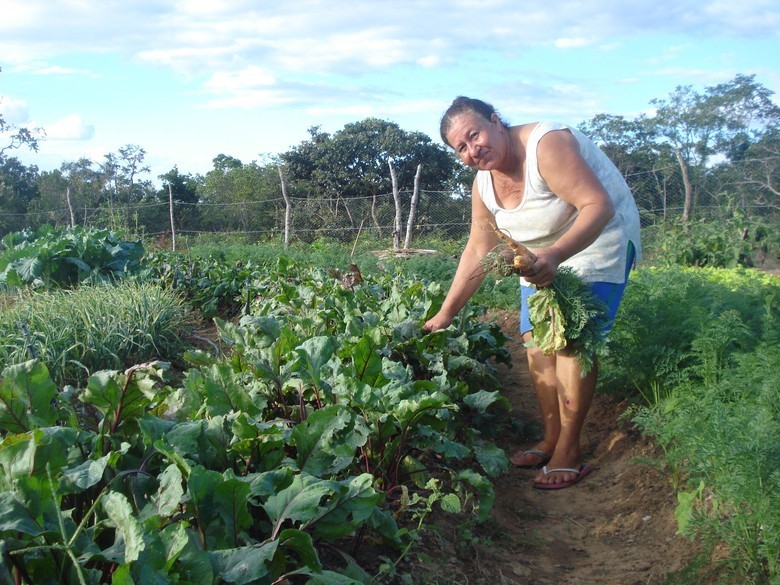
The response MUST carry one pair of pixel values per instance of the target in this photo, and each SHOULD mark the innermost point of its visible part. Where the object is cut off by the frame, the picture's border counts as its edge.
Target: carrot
(514, 258)
(565, 314)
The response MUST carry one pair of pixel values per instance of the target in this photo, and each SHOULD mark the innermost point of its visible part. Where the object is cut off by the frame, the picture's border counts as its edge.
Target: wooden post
(413, 208)
(688, 204)
(70, 207)
(287, 210)
(396, 198)
(170, 209)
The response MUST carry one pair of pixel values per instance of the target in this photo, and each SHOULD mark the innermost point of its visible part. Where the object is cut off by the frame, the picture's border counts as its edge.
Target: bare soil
(616, 526)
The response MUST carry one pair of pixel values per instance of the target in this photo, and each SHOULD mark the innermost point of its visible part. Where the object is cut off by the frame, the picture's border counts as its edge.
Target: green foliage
(331, 412)
(75, 332)
(724, 436)
(354, 161)
(209, 284)
(700, 346)
(567, 315)
(65, 257)
(727, 243)
(219, 281)
(681, 324)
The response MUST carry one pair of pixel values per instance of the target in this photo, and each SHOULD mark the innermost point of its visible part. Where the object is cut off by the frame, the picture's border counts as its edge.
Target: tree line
(719, 146)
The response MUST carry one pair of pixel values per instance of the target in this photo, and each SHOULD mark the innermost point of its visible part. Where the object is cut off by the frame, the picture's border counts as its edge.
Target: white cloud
(58, 70)
(334, 62)
(429, 61)
(20, 13)
(746, 17)
(202, 36)
(574, 43)
(13, 111)
(44, 69)
(246, 79)
(70, 128)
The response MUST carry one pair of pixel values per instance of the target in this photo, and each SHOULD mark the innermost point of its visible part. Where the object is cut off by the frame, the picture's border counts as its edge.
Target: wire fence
(439, 214)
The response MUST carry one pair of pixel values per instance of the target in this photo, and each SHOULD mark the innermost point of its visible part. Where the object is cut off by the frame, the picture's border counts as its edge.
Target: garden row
(328, 416)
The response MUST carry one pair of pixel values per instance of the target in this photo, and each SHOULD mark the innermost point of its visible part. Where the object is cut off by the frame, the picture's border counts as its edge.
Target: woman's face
(480, 143)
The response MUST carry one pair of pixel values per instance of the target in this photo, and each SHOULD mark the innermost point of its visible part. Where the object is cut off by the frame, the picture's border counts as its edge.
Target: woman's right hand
(438, 321)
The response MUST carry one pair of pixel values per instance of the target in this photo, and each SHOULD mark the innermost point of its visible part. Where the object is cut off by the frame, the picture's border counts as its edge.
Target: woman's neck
(512, 168)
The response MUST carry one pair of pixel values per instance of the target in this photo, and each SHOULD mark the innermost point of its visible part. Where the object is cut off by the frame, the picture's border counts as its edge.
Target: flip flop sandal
(543, 459)
(584, 470)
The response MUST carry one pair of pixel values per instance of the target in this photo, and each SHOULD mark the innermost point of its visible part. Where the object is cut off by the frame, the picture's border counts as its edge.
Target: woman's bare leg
(544, 378)
(575, 395)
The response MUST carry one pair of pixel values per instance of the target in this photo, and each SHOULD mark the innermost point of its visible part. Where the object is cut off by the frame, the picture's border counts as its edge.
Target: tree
(183, 187)
(341, 172)
(51, 205)
(249, 194)
(18, 189)
(647, 166)
(628, 143)
(86, 184)
(75, 187)
(131, 158)
(721, 120)
(687, 122)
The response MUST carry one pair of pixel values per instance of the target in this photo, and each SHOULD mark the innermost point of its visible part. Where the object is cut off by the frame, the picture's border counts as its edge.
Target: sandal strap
(560, 470)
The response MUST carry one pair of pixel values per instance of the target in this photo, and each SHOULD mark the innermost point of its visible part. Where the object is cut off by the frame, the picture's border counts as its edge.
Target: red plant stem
(118, 414)
(365, 459)
(301, 403)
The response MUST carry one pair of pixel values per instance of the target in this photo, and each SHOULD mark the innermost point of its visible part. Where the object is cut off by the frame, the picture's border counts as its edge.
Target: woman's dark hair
(462, 105)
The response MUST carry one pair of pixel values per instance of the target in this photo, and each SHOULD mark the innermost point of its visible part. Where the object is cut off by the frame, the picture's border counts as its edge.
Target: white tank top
(542, 217)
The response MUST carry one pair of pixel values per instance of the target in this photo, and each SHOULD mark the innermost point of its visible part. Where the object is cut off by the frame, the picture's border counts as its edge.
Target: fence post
(413, 207)
(287, 210)
(397, 199)
(170, 212)
(70, 207)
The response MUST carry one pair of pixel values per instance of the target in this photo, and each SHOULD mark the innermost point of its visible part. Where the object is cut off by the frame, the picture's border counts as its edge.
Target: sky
(189, 80)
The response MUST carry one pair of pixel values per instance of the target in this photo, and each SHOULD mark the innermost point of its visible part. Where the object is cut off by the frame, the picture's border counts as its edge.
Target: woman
(550, 188)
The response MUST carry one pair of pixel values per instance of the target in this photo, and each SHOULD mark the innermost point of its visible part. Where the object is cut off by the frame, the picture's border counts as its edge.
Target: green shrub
(725, 243)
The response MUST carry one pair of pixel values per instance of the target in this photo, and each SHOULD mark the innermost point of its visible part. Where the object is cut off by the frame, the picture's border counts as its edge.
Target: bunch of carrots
(565, 315)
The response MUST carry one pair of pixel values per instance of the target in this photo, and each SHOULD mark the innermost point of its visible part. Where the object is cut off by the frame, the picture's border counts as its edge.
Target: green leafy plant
(679, 324)
(731, 242)
(329, 410)
(65, 257)
(703, 343)
(567, 316)
(209, 284)
(722, 436)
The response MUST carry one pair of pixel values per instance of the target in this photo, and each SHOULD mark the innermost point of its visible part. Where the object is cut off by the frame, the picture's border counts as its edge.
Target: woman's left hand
(543, 270)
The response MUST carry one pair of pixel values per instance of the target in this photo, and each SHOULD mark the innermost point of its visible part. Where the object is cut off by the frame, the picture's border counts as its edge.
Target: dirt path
(615, 527)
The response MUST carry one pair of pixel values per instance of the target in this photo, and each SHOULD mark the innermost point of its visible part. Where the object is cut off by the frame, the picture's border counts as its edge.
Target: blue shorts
(609, 292)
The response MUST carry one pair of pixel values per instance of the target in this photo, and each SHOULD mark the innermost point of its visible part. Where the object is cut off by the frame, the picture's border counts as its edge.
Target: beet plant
(328, 418)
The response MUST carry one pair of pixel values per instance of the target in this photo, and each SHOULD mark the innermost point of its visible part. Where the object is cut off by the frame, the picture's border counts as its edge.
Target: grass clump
(77, 332)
